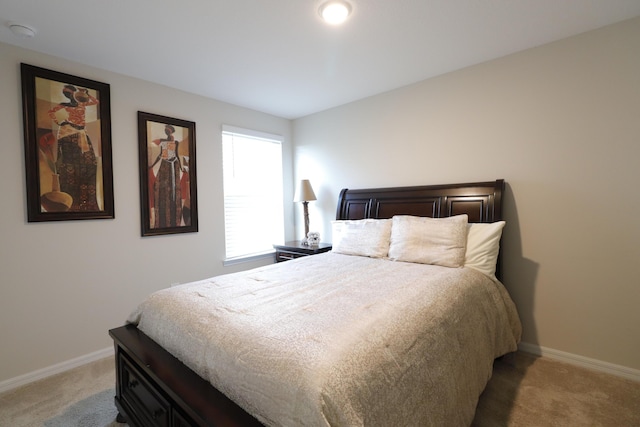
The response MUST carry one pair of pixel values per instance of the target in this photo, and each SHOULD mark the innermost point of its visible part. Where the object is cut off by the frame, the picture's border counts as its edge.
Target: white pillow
(364, 237)
(483, 245)
(424, 240)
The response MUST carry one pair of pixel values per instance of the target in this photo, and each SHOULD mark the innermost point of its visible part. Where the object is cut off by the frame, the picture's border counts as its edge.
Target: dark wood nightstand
(296, 249)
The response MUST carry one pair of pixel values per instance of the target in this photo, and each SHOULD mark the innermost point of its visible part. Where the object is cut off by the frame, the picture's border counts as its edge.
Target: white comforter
(340, 340)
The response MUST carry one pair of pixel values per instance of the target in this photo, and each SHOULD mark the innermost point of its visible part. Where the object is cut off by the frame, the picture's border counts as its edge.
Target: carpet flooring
(524, 390)
(39, 403)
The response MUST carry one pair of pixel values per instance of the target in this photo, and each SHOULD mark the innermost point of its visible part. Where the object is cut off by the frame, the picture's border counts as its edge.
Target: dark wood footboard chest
(153, 388)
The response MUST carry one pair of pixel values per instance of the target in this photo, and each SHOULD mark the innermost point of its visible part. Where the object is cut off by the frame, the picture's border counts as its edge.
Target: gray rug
(94, 411)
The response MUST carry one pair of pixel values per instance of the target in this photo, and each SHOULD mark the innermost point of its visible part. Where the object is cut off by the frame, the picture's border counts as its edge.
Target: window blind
(253, 195)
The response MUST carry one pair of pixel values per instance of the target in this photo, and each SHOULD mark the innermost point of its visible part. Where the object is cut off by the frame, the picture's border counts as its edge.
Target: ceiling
(276, 56)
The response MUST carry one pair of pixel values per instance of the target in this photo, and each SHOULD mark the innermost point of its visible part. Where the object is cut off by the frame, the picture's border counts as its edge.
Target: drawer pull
(133, 384)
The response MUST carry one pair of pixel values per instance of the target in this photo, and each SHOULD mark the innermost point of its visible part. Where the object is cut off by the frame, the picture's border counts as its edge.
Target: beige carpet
(524, 391)
(537, 391)
(33, 404)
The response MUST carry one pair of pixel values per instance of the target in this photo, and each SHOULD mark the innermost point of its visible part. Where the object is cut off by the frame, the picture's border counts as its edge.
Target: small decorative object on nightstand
(297, 249)
(313, 238)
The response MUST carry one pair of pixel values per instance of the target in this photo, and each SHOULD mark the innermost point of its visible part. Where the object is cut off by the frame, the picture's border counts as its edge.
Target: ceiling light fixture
(22, 30)
(335, 12)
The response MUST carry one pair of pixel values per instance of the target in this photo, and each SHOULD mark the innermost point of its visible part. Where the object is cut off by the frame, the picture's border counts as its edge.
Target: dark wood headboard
(481, 201)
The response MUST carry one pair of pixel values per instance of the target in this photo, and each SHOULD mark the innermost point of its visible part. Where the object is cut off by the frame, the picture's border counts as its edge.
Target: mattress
(334, 339)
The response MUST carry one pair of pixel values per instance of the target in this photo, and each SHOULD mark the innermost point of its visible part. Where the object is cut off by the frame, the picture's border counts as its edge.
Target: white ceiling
(276, 56)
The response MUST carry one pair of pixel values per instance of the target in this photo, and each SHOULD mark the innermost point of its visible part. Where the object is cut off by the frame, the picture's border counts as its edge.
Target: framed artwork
(168, 190)
(67, 133)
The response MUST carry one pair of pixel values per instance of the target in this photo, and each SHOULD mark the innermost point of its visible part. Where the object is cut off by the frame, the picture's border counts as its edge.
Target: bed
(375, 332)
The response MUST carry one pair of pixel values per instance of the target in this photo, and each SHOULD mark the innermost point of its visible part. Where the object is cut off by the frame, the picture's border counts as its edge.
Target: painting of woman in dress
(168, 150)
(76, 163)
(167, 179)
(67, 146)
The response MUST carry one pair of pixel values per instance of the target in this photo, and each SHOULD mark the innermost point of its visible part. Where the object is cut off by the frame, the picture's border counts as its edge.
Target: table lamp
(305, 194)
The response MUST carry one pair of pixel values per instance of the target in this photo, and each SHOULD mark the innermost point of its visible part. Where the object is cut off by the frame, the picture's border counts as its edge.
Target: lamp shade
(304, 192)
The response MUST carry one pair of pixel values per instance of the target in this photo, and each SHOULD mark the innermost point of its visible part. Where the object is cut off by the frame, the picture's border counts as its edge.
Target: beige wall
(64, 284)
(561, 124)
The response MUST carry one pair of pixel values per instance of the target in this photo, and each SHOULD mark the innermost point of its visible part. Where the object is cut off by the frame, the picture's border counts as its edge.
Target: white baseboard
(585, 362)
(40, 374)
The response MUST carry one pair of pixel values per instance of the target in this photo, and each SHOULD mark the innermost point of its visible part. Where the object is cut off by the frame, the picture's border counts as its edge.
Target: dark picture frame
(168, 187)
(67, 136)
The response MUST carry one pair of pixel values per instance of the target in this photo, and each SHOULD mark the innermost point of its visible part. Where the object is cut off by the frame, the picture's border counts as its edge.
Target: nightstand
(296, 249)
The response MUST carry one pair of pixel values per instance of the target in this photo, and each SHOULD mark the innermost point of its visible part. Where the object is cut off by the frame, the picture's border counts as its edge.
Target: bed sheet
(340, 340)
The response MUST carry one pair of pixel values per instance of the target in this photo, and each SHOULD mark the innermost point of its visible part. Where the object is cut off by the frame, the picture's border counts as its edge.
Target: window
(253, 201)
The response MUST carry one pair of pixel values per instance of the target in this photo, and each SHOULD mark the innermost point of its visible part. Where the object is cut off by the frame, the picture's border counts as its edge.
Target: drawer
(287, 255)
(147, 405)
